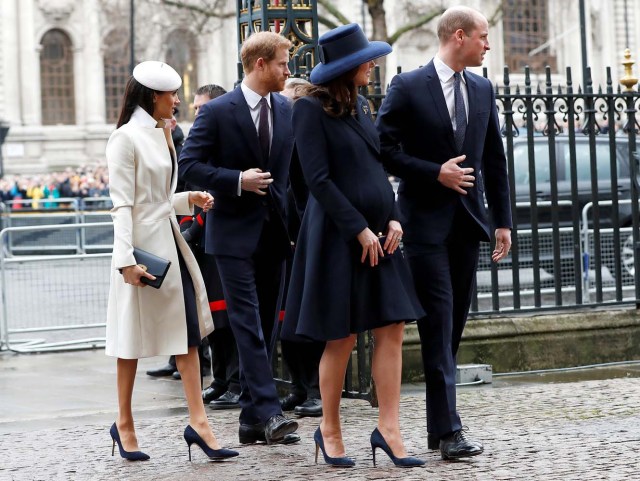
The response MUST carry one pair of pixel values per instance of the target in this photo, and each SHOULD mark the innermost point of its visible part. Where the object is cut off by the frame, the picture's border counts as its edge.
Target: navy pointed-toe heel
(192, 437)
(377, 441)
(342, 462)
(130, 455)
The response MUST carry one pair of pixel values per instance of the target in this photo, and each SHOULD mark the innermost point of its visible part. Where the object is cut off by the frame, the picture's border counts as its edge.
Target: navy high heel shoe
(343, 462)
(192, 437)
(130, 455)
(377, 441)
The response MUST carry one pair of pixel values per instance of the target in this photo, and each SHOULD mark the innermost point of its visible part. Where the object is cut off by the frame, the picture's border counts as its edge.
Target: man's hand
(503, 244)
(455, 177)
(256, 181)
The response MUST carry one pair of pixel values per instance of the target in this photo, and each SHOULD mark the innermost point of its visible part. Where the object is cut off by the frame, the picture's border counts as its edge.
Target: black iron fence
(573, 171)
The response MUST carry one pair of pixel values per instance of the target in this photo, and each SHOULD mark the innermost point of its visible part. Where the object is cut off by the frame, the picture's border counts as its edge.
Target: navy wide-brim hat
(343, 49)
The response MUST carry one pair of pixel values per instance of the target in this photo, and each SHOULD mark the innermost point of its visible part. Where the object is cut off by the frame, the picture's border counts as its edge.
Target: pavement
(56, 410)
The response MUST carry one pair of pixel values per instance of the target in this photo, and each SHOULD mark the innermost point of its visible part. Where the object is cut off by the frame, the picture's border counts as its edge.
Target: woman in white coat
(142, 321)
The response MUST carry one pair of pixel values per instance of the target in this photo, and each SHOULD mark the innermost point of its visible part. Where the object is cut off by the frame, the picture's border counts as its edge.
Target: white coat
(144, 322)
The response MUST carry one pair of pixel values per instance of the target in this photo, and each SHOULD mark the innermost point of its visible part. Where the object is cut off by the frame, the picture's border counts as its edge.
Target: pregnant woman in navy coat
(346, 279)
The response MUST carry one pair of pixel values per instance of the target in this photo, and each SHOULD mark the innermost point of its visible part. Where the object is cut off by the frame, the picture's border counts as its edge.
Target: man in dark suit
(439, 132)
(239, 149)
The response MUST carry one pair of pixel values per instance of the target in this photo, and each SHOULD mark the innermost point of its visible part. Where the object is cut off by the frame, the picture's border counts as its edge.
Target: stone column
(92, 64)
(29, 70)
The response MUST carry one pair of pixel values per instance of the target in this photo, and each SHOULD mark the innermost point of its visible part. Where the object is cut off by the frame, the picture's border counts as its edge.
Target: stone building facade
(63, 63)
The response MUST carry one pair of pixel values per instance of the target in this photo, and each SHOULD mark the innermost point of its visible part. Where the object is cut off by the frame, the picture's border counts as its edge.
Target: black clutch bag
(154, 265)
(382, 240)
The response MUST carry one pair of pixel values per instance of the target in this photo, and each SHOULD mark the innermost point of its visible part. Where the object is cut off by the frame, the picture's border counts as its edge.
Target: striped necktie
(460, 112)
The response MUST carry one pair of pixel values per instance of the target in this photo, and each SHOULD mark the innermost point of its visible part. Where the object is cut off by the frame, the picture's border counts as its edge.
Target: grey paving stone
(580, 431)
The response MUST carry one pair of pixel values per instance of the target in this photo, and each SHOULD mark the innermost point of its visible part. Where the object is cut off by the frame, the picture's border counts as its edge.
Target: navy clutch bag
(154, 265)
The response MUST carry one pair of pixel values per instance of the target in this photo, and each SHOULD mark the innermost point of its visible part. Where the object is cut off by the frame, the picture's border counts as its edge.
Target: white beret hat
(157, 76)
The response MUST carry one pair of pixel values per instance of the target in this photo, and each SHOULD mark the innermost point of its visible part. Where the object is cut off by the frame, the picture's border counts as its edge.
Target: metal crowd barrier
(29, 212)
(96, 209)
(54, 294)
(62, 211)
(608, 259)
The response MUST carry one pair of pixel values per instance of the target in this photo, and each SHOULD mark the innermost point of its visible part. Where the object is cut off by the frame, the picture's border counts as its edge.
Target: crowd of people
(85, 181)
(305, 233)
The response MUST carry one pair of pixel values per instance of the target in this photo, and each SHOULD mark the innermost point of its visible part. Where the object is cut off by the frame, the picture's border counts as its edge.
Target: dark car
(540, 155)
(535, 201)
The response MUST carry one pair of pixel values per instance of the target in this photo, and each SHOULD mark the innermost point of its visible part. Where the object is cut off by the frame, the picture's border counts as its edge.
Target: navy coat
(222, 143)
(331, 293)
(416, 142)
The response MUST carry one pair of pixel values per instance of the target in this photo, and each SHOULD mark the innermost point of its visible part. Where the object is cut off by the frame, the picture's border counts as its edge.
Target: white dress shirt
(445, 74)
(253, 101)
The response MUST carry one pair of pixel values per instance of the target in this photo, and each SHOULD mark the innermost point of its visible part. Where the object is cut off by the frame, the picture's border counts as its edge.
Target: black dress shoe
(433, 441)
(311, 408)
(176, 375)
(277, 427)
(290, 401)
(212, 392)
(228, 400)
(254, 433)
(167, 370)
(456, 446)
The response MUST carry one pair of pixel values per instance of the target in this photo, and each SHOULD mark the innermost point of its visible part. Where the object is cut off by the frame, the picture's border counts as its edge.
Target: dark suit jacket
(223, 142)
(416, 136)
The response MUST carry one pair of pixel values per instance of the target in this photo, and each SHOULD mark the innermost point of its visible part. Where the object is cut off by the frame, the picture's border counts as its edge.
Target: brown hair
(263, 45)
(135, 94)
(211, 90)
(454, 18)
(338, 96)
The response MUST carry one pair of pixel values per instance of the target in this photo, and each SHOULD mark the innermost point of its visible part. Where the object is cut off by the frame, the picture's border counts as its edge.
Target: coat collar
(252, 98)
(141, 118)
(248, 129)
(246, 126)
(281, 124)
(434, 87)
(363, 124)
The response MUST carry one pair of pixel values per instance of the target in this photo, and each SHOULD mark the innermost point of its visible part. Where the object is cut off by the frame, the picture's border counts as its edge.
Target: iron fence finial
(628, 80)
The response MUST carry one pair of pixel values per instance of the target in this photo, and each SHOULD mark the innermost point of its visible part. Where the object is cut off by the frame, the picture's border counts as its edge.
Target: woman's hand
(203, 199)
(394, 236)
(370, 247)
(133, 274)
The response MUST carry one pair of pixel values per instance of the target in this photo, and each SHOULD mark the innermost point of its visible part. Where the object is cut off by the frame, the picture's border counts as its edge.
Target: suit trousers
(444, 276)
(224, 359)
(303, 361)
(252, 290)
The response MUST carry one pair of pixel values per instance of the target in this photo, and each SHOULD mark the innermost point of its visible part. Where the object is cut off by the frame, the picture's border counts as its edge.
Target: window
(182, 55)
(56, 79)
(526, 27)
(116, 72)
(603, 161)
(521, 164)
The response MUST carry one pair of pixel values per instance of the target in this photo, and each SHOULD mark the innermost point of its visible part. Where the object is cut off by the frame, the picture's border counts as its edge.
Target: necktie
(460, 112)
(263, 128)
